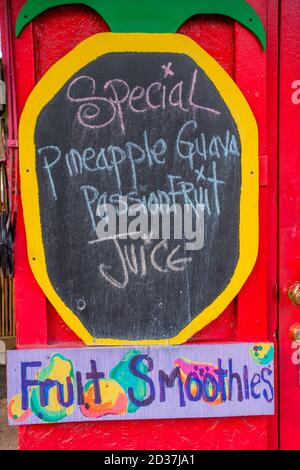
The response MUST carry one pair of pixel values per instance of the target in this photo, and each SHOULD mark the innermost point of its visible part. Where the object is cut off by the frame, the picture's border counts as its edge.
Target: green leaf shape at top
(151, 16)
(122, 374)
(57, 370)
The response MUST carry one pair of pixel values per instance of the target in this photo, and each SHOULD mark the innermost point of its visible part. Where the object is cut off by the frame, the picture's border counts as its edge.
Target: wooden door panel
(251, 316)
(289, 213)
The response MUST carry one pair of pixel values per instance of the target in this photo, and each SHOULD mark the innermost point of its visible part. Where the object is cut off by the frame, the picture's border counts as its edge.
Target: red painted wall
(252, 316)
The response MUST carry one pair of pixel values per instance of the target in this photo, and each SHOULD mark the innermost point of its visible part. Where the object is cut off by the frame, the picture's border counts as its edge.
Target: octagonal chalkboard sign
(153, 119)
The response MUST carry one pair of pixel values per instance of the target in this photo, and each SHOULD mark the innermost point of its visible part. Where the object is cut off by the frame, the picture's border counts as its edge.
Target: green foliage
(151, 16)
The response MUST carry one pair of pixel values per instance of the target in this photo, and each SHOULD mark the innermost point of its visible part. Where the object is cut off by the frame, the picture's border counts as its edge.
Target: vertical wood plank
(258, 79)
(249, 433)
(273, 161)
(250, 75)
(289, 228)
(30, 302)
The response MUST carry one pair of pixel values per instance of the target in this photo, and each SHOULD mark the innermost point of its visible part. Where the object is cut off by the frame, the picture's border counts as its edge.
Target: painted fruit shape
(138, 120)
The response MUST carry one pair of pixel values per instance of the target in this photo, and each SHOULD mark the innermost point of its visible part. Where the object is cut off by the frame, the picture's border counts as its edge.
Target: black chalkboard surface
(150, 127)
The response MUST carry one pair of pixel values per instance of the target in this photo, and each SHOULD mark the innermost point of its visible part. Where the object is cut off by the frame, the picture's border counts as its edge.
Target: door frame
(288, 229)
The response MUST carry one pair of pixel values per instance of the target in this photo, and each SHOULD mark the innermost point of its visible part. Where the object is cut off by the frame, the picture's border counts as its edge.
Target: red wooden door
(289, 233)
(251, 317)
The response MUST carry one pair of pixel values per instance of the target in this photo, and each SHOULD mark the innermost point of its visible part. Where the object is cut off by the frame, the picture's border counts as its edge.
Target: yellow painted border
(47, 88)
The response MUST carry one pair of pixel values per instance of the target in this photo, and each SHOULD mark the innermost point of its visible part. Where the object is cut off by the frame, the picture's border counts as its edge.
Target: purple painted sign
(95, 384)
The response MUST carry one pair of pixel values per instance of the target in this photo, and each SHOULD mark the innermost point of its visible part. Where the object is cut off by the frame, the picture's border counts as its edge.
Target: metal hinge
(2, 93)
(12, 143)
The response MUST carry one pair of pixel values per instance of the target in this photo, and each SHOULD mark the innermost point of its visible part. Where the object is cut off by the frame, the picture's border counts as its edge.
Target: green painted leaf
(58, 367)
(151, 16)
(122, 374)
